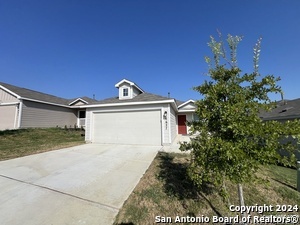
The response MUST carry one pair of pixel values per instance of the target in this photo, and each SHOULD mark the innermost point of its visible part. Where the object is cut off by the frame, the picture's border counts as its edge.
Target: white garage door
(7, 117)
(134, 127)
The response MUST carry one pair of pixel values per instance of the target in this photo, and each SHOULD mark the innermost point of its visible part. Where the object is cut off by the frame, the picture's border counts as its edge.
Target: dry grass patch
(166, 191)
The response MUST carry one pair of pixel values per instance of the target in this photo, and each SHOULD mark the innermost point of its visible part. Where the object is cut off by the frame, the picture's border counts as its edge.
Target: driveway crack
(63, 193)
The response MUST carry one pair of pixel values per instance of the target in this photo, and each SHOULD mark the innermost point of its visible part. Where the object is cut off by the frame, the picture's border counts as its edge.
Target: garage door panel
(134, 127)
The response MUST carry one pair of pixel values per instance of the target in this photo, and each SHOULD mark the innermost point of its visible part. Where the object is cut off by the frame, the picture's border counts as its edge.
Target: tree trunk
(241, 197)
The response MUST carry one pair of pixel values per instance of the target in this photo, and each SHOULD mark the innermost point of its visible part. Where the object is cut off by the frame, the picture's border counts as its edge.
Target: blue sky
(80, 48)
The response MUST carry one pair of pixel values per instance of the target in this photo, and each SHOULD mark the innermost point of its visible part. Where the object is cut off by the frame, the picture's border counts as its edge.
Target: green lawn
(17, 143)
(166, 191)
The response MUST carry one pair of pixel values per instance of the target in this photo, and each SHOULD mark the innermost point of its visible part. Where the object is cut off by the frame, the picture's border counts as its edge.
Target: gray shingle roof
(27, 93)
(87, 99)
(144, 97)
(39, 96)
(178, 102)
(287, 109)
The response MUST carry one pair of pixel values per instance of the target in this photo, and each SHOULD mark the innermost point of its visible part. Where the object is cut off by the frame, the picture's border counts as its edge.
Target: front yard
(17, 143)
(165, 192)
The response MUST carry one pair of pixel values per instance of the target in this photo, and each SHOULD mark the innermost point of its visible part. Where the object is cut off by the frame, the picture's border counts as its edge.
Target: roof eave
(281, 117)
(10, 92)
(186, 102)
(186, 110)
(44, 102)
(171, 101)
(8, 103)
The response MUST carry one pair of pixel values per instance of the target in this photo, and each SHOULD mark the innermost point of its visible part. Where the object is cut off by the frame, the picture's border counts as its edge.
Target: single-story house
(133, 117)
(285, 110)
(24, 108)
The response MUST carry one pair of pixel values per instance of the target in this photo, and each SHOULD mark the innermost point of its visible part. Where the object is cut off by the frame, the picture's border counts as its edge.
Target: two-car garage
(127, 127)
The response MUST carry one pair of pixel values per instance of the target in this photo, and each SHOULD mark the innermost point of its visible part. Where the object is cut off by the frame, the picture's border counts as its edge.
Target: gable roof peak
(78, 100)
(186, 102)
(117, 85)
(124, 81)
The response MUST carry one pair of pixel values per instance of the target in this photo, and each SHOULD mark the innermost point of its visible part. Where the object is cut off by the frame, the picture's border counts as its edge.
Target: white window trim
(123, 92)
(78, 118)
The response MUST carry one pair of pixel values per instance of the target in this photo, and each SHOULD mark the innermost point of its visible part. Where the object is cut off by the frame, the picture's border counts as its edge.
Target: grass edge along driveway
(166, 191)
(22, 142)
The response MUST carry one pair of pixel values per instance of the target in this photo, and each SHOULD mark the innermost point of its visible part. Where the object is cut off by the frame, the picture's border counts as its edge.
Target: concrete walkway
(87, 184)
(174, 147)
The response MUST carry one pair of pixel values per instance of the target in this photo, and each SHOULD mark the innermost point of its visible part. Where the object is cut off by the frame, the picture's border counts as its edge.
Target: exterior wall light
(165, 115)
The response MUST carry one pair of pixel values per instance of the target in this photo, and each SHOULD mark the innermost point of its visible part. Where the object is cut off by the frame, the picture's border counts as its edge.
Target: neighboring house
(285, 110)
(24, 108)
(133, 117)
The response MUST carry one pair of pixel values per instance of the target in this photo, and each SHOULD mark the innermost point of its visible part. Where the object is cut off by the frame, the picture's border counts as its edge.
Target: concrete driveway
(86, 184)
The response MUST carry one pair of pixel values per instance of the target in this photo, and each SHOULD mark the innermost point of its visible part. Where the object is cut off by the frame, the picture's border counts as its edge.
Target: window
(81, 119)
(81, 114)
(125, 92)
(195, 117)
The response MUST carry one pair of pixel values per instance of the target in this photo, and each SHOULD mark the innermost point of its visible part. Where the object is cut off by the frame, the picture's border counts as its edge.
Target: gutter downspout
(170, 125)
(16, 116)
(20, 113)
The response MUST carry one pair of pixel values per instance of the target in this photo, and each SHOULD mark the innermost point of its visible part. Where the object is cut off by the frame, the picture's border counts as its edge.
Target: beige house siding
(173, 124)
(165, 125)
(8, 110)
(36, 114)
(88, 126)
(189, 106)
(6, 97)
(8, 115)
(189, 117)
(79, 103)
(291, 139)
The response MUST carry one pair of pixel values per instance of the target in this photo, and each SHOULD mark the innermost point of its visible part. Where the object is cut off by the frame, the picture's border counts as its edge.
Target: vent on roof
(286, 109)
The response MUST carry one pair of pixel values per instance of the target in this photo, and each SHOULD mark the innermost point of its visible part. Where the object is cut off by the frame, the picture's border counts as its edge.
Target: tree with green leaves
(231, 140)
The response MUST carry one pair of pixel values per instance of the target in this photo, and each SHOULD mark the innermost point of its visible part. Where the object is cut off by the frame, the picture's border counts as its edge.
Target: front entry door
(182, 124)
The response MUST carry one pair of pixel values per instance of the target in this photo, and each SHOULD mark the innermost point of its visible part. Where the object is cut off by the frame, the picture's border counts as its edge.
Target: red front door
(182, 124)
